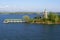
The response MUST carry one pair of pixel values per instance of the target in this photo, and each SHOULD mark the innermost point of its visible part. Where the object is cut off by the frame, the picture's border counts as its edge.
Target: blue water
(23, 31)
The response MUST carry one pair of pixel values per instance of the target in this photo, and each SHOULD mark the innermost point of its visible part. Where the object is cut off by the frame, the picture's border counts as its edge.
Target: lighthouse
(45, 13)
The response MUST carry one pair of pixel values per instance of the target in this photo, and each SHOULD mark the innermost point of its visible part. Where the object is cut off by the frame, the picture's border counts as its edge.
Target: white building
(45, 14)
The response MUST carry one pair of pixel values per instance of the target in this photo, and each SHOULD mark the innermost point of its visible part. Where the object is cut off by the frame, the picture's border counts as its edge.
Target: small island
(47, 18)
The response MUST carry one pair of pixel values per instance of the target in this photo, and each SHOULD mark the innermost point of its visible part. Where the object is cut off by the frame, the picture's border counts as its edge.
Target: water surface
(23, 31)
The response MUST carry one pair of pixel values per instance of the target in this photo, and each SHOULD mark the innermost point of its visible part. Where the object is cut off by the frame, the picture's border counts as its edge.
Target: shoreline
(43, 23)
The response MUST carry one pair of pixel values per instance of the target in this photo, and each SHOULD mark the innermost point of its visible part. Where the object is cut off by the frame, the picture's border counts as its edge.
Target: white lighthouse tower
(45, 14)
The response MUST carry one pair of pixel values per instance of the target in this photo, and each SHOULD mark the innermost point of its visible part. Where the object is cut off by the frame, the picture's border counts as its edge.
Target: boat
(13, 21)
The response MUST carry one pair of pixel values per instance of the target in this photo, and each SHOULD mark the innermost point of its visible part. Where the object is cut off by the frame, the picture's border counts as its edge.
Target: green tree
(53, 17)
(26, 18)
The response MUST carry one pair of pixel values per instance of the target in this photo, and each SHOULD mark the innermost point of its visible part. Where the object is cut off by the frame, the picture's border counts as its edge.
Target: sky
(29, 5)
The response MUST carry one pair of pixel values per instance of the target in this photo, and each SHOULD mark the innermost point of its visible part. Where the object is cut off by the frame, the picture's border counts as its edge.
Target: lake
(24, 31)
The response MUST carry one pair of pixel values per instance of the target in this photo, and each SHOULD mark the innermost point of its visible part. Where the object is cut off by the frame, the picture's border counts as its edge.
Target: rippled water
(23, 31)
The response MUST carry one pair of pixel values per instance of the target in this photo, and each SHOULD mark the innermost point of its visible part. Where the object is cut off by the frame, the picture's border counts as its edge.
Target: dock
(13, 21)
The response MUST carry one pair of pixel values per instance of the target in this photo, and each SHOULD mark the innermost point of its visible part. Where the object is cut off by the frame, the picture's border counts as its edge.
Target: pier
(13, 21)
